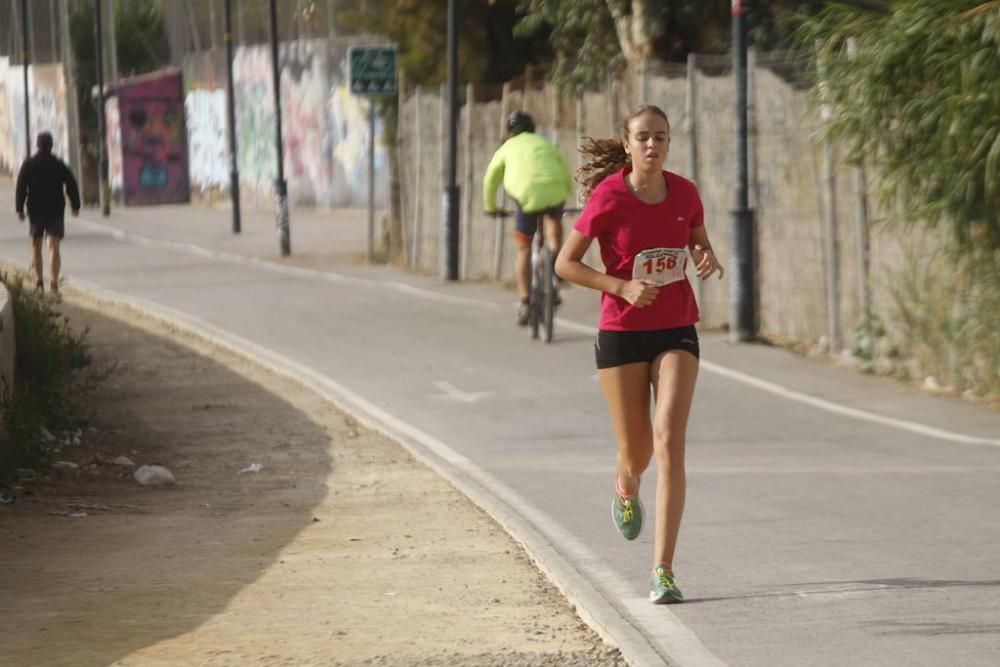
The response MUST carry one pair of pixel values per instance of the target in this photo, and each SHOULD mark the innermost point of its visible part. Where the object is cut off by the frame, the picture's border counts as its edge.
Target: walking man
(44, 181)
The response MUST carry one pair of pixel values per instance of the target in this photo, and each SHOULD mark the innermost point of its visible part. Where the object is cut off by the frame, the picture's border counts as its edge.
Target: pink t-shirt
(624, 226)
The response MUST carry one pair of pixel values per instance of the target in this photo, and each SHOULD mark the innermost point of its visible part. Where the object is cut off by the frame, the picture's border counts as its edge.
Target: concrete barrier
(7, 353)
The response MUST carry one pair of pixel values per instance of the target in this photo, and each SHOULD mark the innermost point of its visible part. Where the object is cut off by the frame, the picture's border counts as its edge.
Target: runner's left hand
(706, 262)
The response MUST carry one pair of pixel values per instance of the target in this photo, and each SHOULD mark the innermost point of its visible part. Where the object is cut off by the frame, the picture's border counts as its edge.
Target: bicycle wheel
(548, 293)
(535, 297)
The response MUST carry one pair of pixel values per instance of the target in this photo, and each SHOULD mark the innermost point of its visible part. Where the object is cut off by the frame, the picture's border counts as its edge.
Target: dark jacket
(41, 181)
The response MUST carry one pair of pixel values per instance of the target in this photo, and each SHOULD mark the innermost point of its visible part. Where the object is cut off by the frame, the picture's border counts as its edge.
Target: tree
(590, 37)
(919, 97)
(488, 50)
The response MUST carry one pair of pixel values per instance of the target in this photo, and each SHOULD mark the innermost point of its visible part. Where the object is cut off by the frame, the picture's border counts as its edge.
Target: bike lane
(809, 537)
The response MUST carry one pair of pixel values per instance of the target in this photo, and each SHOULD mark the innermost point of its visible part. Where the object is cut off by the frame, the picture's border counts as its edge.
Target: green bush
(48, 381)
(948, 324)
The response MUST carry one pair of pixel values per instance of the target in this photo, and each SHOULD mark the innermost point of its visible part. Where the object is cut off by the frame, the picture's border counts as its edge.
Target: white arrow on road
(456, 394)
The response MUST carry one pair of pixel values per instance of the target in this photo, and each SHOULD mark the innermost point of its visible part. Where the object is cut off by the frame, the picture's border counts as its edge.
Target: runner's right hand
(639, 293)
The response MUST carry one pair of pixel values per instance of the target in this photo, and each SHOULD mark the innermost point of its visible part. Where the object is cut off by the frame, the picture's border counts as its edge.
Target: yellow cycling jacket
(533, 170)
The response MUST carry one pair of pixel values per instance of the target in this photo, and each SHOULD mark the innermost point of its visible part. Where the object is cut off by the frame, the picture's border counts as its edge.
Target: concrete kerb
(600, 613)
(8, 352)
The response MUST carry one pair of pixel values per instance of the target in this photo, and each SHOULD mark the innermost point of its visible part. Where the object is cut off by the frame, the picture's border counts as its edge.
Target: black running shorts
(617, 348)
(48, 227)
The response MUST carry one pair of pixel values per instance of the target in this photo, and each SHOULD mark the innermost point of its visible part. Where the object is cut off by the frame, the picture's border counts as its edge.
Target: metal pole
(451, 187)
(280, 186)
(102, 130)
(25, 59)
(371, 179)
(234, 169)
(742, 326)
(112, 43)
(72, 103)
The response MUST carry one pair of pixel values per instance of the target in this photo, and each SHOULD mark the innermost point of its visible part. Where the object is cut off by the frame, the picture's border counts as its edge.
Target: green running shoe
(663, 589)
(626, 512)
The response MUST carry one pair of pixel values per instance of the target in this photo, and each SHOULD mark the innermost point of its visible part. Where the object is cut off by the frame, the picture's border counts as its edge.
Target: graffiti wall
(207, 151)
(324, 127)
(47, 102)
(149, 124)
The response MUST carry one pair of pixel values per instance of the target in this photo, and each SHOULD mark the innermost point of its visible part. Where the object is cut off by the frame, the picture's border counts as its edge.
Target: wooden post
(467, 189)
(499, 236)
(418, 192)
(831, 239)
(691, 129)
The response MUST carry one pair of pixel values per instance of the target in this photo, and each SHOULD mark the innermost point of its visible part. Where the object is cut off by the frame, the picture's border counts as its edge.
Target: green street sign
(372, 70)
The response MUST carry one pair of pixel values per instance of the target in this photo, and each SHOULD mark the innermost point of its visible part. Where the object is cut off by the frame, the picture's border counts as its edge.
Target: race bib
(660, 266)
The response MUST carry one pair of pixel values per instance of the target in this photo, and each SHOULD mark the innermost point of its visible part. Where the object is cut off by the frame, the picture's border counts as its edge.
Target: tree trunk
(631, 21)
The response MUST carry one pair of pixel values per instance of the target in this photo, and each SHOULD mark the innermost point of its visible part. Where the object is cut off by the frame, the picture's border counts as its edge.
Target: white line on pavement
(651, 637)
(822, 404)
(745, 378)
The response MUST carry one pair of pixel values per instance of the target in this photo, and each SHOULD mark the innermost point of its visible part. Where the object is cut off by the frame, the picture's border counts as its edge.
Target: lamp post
(742, 325)
(104, 187)
(25, 58)
(450, 193)
(234, 171)
(280, 186)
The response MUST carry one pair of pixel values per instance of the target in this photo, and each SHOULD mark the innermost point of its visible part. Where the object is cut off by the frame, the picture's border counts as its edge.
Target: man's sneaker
(626, 512)
(523, 311)
(663, 588)
(40, 288)
(55, 295)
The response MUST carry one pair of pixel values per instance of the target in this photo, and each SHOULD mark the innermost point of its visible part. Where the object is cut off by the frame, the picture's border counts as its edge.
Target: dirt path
(342, 550)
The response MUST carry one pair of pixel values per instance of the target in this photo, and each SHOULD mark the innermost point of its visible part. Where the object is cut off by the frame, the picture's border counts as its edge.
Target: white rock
(124, 461)
(253, 467)
(65, 465)
(153, 475)
(46, 434)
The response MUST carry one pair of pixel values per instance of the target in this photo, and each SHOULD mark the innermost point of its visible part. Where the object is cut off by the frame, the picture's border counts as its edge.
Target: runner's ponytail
(603, 157)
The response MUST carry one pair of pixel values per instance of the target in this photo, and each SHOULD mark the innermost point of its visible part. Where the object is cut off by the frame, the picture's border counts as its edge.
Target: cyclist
(537, 177)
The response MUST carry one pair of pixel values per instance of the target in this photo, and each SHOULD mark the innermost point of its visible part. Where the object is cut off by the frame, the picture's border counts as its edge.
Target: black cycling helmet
(518, 122)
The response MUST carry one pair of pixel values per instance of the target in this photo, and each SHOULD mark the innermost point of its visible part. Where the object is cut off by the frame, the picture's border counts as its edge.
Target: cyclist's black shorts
(617, 348)
(527, 223)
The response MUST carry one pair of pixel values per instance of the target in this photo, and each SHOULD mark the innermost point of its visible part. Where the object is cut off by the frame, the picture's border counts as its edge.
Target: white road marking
(822, 404)
(295, 271)
(571, 565)
(864, 415)
(454, 393)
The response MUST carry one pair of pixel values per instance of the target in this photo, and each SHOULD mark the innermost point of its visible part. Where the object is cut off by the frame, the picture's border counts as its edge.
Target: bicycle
(542, 291)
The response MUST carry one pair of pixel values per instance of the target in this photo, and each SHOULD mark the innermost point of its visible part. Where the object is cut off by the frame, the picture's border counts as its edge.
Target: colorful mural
(47, 88)
(324, 127)
(152, 131)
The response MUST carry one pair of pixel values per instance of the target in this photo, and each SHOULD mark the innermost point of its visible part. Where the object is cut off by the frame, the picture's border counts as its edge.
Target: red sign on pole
(737, 7)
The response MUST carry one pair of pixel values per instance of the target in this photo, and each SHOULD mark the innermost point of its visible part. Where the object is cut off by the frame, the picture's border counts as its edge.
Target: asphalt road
(832, 518)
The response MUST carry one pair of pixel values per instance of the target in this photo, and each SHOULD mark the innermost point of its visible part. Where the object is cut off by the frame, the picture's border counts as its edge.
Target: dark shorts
(526, 224)
(38, 228)
(617, 348)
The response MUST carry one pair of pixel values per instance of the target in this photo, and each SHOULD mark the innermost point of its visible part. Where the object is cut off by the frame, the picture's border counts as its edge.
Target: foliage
(488, 51)
(950, 323)
(920, 100)
(587, 45)
(48, 385)
(916, 96)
